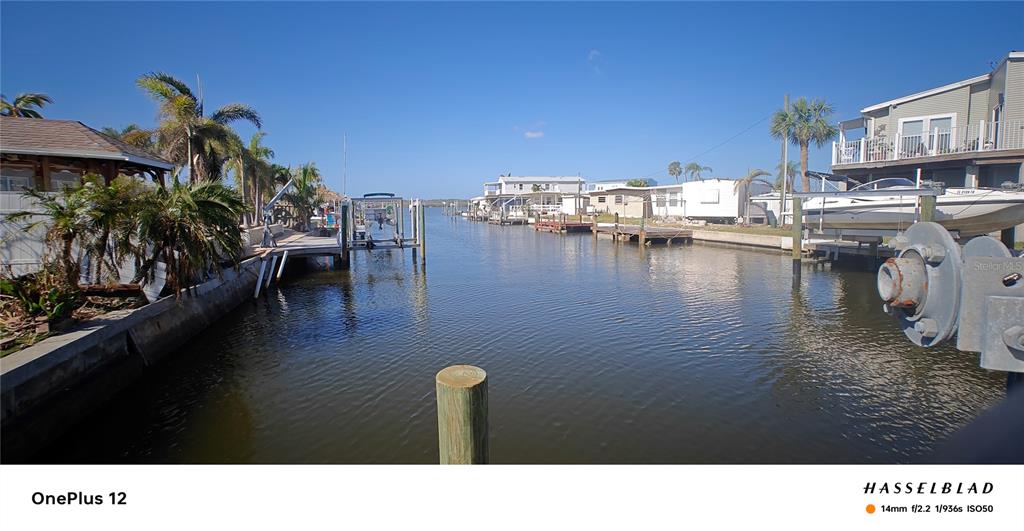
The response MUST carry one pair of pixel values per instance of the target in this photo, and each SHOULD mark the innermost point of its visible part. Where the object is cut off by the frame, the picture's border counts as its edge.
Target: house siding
(1014, 95)
(978, 109)
(998, 86)
(952, 101)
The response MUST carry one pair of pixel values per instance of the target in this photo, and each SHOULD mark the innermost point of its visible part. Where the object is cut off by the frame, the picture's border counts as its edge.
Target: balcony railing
(982, 136)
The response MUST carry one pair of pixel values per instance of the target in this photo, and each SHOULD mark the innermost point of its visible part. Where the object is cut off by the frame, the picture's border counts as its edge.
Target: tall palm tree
(65, 216)
(675, 170)
(791, 172)
(185, 134)
(132, 134)
(23, 105)
(190, 227)
(694, 170)
(805, 122)
(304, 196)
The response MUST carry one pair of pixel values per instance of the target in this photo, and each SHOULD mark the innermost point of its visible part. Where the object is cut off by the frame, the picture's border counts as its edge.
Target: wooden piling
(642, 237)
(423, 233)
(927, 208)
(1007, 236)
(798, 235)
(593, 225)
(462, 415)
(343, 230)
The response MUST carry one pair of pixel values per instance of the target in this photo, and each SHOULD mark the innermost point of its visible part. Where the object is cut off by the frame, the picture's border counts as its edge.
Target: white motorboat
(968, 211)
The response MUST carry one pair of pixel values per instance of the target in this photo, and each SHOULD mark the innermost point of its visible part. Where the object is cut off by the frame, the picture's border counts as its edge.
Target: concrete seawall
(766, 241)
(48, 387)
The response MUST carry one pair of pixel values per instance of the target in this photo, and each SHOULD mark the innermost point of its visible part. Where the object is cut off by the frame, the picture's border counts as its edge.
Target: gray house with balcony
(964, 134)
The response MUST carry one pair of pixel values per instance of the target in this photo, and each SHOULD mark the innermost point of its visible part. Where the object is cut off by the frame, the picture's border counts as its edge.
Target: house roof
(69, 138)
(926, 93)
(620, 189)
(561, 179)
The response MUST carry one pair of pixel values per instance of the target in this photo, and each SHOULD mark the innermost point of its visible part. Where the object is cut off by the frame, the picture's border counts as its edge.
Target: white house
(518, 185)
(601, 186)
(714, 200)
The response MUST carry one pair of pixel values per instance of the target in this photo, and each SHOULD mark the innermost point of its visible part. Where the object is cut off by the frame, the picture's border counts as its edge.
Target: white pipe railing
(982, 136)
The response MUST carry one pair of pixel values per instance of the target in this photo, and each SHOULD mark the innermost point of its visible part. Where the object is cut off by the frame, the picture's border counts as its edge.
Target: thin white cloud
(596, 60)
(529, 135)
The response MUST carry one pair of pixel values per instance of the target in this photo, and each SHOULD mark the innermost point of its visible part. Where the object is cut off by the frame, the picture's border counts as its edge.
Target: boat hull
(964, 214)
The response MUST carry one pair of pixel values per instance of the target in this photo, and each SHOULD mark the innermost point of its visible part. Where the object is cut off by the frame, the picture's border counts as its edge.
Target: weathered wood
(1007, 236)
(423, 232)
(111, 290)
(344, 232)
(462, 415)
(798, 234)
(927, 208)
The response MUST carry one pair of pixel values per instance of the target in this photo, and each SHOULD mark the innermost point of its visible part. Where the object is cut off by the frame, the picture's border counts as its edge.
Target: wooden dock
(562, 225)
(644, 234)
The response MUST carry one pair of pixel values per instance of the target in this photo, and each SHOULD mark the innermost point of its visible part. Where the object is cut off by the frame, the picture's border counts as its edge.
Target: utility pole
(784, 168)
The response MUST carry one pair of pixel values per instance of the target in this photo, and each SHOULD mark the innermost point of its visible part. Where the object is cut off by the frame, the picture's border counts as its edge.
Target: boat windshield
(892, 182)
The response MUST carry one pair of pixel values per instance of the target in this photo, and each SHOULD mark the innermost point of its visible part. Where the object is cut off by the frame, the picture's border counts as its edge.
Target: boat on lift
(967, 211)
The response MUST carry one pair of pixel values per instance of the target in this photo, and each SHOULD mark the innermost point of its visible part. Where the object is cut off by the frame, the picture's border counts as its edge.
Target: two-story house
(969, 133)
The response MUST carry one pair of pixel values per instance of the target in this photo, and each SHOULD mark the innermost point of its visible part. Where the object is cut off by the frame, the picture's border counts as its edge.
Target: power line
(716, 146)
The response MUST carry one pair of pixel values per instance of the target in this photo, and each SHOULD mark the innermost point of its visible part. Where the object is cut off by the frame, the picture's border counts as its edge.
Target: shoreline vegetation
(193, 225)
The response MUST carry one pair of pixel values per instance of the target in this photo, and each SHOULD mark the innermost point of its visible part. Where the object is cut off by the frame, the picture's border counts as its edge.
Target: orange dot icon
(870, 509)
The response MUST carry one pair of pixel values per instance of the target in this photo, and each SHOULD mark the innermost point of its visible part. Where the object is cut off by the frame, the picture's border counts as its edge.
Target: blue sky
(437, 98)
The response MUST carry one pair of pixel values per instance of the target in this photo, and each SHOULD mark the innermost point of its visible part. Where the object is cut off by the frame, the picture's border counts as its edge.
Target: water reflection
(596, 351)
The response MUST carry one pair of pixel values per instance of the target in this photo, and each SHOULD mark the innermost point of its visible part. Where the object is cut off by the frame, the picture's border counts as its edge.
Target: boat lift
(353, 234)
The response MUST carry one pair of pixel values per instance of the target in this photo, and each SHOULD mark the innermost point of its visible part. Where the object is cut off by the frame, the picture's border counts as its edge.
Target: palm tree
(675, 170)
(694, 170)
(65, 216)
(110, 219)
(791, 172)
(304, 196)
(742, 186)
(189, 227)
(185, 134)
(252, 161)
(132, 134)
(23, 105)
(805, 122)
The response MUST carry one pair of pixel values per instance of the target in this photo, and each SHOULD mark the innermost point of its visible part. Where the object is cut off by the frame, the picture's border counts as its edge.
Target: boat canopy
(888, 182)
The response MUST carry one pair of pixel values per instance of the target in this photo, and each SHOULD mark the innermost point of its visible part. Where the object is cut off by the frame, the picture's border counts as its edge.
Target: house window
(60, 180)
(660, 200)
(547, 186)
(601, 199)
(618, 200)
(672, 201)
(520, 185)
(16, 179)
(926, 135)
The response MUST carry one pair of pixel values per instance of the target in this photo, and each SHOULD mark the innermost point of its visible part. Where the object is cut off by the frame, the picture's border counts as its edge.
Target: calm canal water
(595, 353)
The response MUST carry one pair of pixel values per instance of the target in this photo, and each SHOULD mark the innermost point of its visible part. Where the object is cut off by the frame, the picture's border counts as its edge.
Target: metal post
(270, 272)
(280, 270)
(784, 168)
(462, 415)
(798, 235)
(259, 279)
